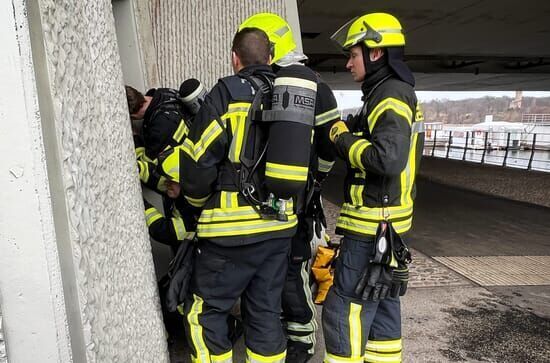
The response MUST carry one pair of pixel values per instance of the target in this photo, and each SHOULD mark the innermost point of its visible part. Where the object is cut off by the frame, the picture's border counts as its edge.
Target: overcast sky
(351, 99)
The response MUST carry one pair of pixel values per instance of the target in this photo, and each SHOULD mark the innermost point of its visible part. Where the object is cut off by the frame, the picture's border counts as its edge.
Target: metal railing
(525, 150)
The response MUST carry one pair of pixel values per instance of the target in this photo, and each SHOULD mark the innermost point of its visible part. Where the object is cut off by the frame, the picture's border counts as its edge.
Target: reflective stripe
(239, 107)
(286, 172)
(252, 357)
(143, 168)
(355, 152)
(238, 128)
(242, 213)
(324, 166)
(208, 137)
(408, 175)
(381, 346)
(243, 227)
(179, 227)
(196, 331)
(325, 117)
(197, 202)
(369, 228)
(297, 82)
(228, 214)
(355, 330)
(223, 358)
(299, 327)
(371, 357)
(331, 358)
(181, 131)
(390, 103)
(310, 327)
(356, 194)
(377, 213)
(187, 146)
(152, 215)
(140, 151)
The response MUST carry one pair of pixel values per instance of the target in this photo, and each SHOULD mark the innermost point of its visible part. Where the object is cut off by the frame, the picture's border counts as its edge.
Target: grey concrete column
(76, 274)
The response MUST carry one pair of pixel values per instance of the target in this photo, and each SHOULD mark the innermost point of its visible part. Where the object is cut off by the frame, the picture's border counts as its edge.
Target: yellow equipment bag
(323, 271)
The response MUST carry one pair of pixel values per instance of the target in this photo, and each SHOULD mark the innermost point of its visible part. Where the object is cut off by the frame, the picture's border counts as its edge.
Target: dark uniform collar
(255, 68)
(374, 80)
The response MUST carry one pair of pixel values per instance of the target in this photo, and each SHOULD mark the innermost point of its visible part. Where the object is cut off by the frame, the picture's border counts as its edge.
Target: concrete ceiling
(458, 45)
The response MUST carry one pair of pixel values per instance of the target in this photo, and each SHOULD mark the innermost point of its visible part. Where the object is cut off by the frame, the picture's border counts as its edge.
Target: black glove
(315, 211)
(375, 282)
(400, 279)
(300, 248)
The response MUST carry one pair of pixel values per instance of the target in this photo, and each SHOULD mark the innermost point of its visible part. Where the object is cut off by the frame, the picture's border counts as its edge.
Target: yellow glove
(338, 129)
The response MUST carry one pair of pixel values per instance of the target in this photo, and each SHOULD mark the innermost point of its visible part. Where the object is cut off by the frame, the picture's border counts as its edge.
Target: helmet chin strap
(371, 67)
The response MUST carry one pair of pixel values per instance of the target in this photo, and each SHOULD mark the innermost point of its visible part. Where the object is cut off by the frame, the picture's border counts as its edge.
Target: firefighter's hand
(400, 279)
(338, 129)
(315, 211)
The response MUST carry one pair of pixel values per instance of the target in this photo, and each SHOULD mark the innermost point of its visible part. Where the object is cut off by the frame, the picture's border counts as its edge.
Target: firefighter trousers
(298, 308)
(358, 331)
(255, 273)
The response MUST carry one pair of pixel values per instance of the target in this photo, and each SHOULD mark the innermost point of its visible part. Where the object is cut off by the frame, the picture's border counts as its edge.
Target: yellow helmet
(278, 31)
(169, 164)
(376, 30)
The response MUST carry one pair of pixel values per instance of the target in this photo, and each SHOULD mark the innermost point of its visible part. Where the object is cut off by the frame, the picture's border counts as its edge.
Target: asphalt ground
(446, 316)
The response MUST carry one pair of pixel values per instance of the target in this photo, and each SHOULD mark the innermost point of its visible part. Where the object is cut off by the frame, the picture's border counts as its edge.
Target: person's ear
(234, 59)
(375, 54)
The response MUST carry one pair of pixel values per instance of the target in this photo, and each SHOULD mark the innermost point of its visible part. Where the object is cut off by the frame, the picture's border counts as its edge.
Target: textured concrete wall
(516, 184)
(3, 355)
(113, 266)
(34, 319)
(193, 37)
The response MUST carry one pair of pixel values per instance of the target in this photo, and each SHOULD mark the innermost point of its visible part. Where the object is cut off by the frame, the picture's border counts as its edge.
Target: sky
(351, 99)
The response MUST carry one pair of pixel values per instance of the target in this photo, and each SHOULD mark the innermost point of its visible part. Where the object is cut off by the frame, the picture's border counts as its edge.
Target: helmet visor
(345, 39)
(290, 58)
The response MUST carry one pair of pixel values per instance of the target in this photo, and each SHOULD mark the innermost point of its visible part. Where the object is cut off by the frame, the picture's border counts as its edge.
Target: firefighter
(246, 186)
(382, 147)
(181, 218)
(298, 307)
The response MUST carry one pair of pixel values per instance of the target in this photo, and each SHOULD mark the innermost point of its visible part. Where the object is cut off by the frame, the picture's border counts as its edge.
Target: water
(515, 159)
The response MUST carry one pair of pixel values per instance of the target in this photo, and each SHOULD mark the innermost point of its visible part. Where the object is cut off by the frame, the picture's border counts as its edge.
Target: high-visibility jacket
(178, 223)
(216, 136)
(382, 154)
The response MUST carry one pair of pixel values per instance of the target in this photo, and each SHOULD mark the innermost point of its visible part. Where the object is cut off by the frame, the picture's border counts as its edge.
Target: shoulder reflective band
(296, 82)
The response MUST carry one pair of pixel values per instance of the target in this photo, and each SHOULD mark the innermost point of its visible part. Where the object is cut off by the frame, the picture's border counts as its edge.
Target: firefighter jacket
(216, 136)
(178, 224)
(382, 153)
(147, 168)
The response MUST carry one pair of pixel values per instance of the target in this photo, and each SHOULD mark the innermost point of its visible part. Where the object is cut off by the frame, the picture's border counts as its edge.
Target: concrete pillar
(76, 273)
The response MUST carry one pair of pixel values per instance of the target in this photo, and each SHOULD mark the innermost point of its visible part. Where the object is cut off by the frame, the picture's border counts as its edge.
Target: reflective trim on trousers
(383, 351)
(252, 357)
(355, 330)
(197, 337)
(223, 358)
(331, 358)
(310, 327)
